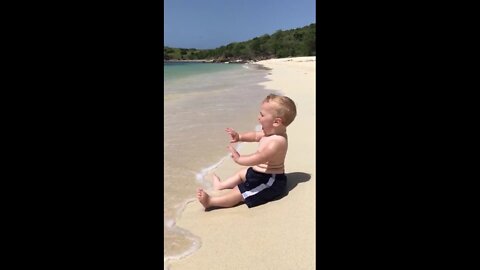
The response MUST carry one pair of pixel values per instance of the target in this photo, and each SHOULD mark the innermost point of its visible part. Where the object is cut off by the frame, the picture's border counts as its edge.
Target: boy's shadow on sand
(293, 179)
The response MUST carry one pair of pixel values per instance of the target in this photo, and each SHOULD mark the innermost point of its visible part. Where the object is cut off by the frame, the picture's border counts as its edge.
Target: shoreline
(285, 226)
(200, 178)
(222, 106)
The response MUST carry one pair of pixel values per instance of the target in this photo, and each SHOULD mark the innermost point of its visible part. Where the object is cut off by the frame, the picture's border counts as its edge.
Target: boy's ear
(277, 121)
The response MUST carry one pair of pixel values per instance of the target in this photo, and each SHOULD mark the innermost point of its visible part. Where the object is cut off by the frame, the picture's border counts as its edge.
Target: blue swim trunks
(260, 188)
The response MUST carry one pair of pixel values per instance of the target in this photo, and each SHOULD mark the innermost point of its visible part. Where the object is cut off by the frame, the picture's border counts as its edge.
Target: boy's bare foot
(203, 198)
(216, 182)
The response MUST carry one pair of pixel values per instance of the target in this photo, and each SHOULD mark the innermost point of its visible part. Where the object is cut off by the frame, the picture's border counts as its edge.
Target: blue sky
(208, 24)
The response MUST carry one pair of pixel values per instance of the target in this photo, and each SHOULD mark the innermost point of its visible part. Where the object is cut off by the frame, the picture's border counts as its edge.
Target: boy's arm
(245, 137)
(256, 158)
(251, 136)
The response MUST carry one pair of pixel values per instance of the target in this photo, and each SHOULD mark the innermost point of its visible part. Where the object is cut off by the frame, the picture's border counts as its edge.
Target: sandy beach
(279, 234)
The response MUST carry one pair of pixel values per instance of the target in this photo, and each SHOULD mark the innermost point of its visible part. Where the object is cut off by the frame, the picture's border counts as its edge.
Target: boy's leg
(231, 182)
(230, 199)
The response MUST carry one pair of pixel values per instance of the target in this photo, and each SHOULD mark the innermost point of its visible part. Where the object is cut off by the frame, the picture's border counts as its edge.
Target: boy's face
(267, 117)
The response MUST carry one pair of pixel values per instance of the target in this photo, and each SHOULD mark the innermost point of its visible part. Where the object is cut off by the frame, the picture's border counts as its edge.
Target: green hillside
(289, 43)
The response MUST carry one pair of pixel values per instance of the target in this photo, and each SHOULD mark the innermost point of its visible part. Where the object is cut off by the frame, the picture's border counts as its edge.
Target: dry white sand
(280, 234)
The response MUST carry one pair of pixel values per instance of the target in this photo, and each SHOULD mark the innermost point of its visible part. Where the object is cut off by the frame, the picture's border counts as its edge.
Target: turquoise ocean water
(200, 101)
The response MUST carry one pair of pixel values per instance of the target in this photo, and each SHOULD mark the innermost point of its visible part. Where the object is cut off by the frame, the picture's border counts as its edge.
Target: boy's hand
(235, 136)
(234, 154)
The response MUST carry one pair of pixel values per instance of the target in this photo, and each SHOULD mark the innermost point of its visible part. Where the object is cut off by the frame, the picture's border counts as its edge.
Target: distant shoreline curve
(209, 61)
(187, 61)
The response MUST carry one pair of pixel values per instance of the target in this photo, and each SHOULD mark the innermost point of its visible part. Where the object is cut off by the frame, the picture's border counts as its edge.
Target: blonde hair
(286, 109)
